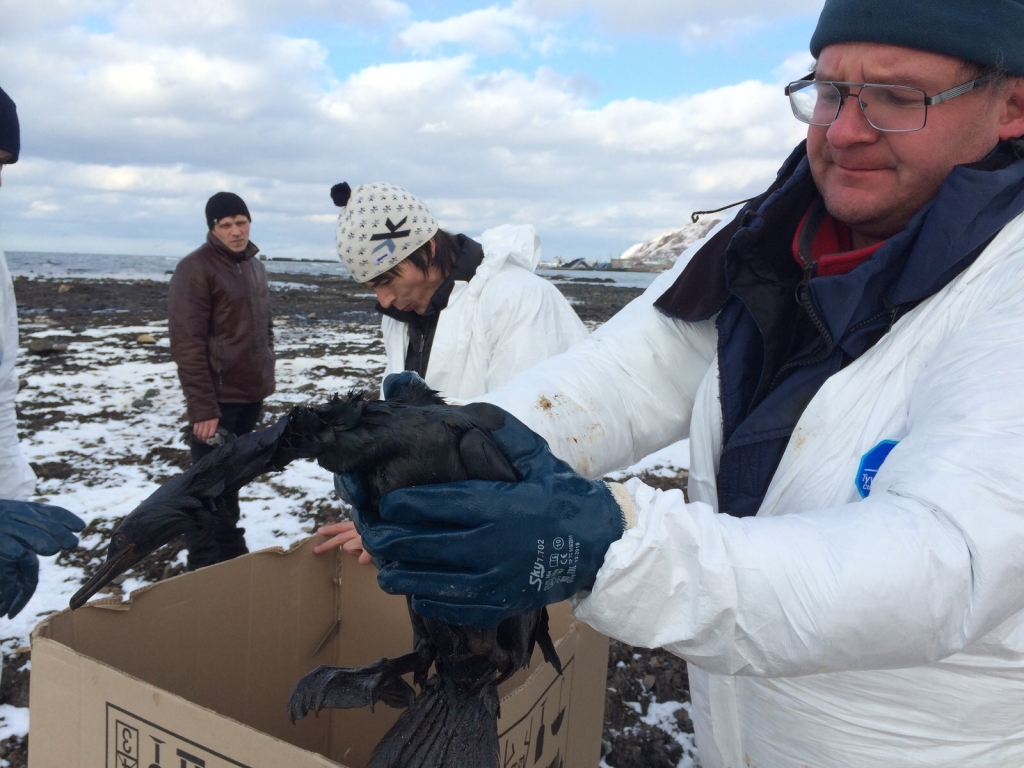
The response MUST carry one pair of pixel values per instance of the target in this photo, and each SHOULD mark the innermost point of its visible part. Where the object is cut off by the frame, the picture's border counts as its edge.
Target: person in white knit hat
(467, 315)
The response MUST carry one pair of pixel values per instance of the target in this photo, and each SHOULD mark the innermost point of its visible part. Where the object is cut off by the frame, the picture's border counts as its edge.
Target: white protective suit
(829, 630)
(496, 325)
(17, 480)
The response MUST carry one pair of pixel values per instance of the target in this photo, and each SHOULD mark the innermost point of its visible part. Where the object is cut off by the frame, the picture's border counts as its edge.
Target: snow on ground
(103, 422)
(81, 414)
(13, 721)
(664, 463)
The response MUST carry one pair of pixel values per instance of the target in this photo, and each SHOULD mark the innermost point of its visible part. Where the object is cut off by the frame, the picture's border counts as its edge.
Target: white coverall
(496, 325)
(17, 480)
(829, 630)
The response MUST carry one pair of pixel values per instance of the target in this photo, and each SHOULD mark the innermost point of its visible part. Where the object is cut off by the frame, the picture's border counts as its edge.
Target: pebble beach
(100, 416)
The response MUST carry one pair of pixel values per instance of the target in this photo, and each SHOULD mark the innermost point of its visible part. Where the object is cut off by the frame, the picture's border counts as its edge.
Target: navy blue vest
(782, 332)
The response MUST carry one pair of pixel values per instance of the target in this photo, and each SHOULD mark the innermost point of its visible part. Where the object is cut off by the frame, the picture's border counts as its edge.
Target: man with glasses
(847, 358)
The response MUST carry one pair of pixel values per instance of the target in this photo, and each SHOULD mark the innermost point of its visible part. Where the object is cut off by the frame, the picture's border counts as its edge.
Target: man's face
(875, 181)
(233, 232)
(410, 290)
(5, 159)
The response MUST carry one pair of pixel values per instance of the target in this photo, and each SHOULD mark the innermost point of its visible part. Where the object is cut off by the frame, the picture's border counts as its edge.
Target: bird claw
(345, 688)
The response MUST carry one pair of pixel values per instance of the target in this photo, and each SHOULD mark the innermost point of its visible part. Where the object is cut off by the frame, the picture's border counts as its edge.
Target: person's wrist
(625, 501)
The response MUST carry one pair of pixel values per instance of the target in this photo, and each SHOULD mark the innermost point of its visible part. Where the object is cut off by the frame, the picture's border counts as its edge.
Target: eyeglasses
(890, 108)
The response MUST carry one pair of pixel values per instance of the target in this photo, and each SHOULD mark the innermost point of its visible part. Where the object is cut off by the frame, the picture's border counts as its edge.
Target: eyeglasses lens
(886, 107)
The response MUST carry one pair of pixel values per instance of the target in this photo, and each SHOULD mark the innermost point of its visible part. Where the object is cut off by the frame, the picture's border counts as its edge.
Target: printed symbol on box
(190, 761)
(127, 751)
(134, 745)
(870, 463)
(558, 543)
(156, 752)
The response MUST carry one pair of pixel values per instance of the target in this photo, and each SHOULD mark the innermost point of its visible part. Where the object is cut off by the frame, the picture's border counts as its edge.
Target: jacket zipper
(250, 295)
(803, 298)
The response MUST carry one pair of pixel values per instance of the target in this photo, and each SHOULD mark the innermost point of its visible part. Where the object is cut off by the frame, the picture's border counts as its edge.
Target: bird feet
(345, 688)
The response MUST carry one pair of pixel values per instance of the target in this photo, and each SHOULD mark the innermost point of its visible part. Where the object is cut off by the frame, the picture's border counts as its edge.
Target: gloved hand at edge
(29, 529)
(477, 552)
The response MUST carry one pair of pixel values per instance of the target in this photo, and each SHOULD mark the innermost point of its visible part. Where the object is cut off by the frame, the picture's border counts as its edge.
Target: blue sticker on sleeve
(870, 463)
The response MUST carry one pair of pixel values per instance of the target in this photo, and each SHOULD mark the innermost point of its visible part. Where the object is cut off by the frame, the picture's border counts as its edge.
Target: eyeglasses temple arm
(960, 89)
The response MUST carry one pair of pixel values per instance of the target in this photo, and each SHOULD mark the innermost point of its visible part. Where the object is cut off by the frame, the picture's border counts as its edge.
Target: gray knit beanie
(986, 32)
(378, 227)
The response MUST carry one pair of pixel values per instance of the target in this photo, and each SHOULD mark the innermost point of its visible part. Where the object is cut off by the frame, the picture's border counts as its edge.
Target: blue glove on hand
(475, 553)
(29, 528)
(348, 486)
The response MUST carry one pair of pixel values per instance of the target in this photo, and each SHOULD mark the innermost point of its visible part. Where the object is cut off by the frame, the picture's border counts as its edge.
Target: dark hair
(446, 250)
(970, 71)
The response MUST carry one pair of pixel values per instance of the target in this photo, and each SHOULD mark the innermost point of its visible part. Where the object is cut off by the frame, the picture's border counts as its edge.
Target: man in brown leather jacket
(222, 340)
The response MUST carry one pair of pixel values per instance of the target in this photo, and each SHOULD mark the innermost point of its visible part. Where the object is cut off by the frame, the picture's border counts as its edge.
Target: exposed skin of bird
(412, 438)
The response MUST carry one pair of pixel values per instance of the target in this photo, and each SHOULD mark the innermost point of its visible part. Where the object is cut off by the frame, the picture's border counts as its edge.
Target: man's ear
(1011, 121)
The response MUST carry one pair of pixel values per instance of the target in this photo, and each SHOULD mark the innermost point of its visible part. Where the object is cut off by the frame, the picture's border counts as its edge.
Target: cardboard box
(194, 672)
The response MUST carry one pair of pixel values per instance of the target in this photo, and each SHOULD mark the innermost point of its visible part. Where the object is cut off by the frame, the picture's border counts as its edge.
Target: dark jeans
(226, 540)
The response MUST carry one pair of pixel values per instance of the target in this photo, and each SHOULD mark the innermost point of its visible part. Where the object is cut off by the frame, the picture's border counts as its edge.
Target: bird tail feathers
(446, 727)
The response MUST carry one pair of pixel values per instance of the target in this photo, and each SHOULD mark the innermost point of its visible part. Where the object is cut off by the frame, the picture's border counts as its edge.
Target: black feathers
(411, 438)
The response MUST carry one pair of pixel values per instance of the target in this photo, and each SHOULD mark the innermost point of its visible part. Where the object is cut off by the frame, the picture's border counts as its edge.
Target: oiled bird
(411, 438)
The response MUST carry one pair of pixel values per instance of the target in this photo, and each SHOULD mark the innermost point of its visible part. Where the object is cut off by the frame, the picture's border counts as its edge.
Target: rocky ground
(99, 412)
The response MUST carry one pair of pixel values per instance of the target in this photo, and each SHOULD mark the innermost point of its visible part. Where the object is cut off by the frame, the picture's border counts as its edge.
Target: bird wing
(482, 459)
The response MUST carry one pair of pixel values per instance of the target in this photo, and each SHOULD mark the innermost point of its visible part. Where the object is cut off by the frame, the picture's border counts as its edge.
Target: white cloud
(194, 19)
(489, 30)
(125, 136)
(688, 19)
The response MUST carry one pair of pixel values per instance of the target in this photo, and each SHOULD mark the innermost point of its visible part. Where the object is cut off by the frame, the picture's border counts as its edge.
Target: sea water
(127, 267)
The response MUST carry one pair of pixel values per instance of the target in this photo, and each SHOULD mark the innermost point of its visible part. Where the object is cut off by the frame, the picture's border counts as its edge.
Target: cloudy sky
(601, 122)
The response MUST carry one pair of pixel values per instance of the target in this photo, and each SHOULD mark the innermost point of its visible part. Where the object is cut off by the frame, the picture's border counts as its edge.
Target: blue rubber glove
(28, 529)
(352, 492)
(475, 553)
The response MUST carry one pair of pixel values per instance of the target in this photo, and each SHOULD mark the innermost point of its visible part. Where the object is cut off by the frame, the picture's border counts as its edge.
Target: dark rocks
(44, 346)
(648, 748)
(52, 470)
(14, 683)
(638, 677)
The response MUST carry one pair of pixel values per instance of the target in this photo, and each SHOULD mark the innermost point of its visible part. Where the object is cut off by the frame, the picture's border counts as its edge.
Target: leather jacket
(222, 335)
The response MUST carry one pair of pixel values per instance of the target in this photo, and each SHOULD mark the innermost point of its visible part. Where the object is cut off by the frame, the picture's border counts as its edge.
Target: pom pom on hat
(378, 227)
(340, 194)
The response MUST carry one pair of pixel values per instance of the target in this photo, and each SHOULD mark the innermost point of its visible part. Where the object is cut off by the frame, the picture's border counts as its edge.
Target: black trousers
(226, 540)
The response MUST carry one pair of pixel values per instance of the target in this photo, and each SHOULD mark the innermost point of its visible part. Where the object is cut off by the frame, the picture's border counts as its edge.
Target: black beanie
(225, 204)
(10, 133)
(986, 32)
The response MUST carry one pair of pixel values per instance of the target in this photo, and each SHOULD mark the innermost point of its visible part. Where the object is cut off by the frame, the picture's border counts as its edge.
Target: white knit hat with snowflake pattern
(379, 226)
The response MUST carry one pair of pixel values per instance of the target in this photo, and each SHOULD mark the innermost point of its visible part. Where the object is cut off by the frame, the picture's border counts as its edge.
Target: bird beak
(110, 570)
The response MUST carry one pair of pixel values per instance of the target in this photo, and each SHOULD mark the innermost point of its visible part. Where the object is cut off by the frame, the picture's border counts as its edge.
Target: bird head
(158, 520)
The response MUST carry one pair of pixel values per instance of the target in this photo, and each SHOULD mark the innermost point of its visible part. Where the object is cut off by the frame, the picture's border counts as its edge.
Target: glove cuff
(625, 501)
